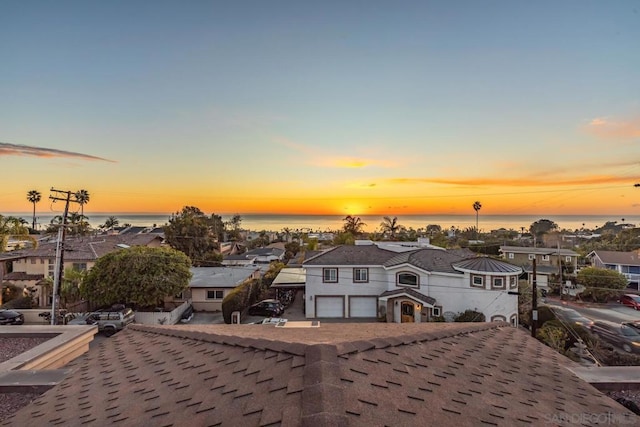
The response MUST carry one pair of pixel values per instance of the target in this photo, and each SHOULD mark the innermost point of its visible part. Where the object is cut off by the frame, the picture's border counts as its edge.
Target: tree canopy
(139, 276)
(196, 235)
(541, 227)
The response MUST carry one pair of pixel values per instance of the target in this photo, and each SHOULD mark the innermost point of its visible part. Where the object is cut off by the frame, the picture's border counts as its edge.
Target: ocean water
(256, 222)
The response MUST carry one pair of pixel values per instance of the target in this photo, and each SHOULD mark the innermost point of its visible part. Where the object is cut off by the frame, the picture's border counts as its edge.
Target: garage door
(363, 306)
(329, 307)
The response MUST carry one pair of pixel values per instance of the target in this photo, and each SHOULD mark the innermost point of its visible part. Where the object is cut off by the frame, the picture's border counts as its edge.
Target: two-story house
(30, 266)
(549, 261)
(626, 263)
(408, 284)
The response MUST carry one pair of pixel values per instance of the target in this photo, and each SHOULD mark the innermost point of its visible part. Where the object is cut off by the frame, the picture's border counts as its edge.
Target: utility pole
(562, 289)
(59, 267)
(534, 302)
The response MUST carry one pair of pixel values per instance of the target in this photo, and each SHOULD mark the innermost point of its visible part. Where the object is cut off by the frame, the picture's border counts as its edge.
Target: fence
(162, 317)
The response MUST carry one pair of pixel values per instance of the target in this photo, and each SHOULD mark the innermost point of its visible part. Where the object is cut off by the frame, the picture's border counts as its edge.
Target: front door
(407, 312)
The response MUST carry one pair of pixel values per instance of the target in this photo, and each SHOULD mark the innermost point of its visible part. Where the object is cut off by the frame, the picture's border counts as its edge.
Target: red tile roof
(341, 374)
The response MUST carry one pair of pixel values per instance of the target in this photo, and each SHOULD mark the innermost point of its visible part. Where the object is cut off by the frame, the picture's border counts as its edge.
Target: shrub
(18, 303)
(470, 316)
(240, 298)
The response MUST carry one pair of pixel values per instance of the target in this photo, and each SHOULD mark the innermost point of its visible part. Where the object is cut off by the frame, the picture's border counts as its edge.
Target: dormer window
(408, 279)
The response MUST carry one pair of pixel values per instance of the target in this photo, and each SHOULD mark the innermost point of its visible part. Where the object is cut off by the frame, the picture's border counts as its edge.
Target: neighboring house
(209, 285)
(549, 261)
(30, 266)
(255, 256)
(408, 284)
(460, 374)
(626, 263)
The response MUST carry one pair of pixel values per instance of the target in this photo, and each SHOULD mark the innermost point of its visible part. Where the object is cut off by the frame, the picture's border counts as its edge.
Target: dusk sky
(324, 107)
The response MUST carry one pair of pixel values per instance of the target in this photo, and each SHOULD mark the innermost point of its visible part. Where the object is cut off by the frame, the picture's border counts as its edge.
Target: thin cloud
(605, 128)
(352, 162)
(7, 149)
(519, 182)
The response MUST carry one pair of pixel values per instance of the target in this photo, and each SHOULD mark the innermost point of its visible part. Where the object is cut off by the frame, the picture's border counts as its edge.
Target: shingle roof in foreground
(341, 374)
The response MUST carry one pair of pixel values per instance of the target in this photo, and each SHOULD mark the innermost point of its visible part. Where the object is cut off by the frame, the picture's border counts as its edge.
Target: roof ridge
(295, 348)
(399, 340)
(322, 395)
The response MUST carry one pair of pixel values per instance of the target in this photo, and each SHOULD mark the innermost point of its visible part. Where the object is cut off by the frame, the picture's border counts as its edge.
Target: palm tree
(34, 197)
(477, 206)
(110, 223)
(390, 226)
(82, 197)
(353, 225)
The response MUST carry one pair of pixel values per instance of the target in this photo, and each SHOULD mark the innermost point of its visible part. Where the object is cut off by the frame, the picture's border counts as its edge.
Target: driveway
(206, 318)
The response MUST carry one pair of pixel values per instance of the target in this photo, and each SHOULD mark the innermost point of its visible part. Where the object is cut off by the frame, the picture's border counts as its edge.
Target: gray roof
(352, 255)
(444, 374)
(86, 248)
(428, 260)
(487, 265)
(271, 251)
(618, 258)
(219, 277)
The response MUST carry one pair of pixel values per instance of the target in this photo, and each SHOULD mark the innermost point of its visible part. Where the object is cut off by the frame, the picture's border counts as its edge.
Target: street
(613, 312)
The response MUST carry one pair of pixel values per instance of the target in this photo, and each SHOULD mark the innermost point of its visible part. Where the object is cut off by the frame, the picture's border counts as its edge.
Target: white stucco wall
(452, 292)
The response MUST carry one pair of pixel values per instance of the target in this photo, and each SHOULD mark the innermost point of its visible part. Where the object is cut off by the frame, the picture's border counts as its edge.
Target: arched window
(498, 318)
(408, 279)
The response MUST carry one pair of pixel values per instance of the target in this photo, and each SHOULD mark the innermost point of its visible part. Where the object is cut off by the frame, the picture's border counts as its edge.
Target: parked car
(268, 307)
(618, 334)
(571, 316)
(10, 317)
(631, 300)
(109, 321)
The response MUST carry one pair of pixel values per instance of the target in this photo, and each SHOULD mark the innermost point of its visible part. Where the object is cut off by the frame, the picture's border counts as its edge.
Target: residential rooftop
(338, 374)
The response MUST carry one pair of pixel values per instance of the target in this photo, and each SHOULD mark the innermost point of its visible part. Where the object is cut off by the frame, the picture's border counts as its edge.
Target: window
(510, 255)
(545, 257)
(407, 279)
(498, 318)
(330, 275)
(181, 296)
(33, 260)
(513, 282)
(437, 311)
(532, 256)
(567, 258)
(215, 294)
(360, 275)
(498, 283)
(514, 320)
(80, 266)
(41, 260)
(477, 281)
(52, 269)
